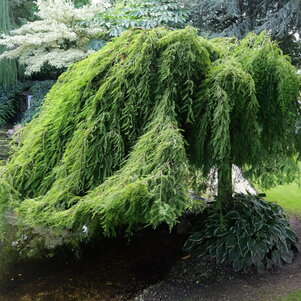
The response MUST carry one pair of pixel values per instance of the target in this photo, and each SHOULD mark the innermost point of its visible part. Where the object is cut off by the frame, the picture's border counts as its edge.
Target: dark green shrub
(11, 102)
(6, 106)
(253, 232)
(11, 109)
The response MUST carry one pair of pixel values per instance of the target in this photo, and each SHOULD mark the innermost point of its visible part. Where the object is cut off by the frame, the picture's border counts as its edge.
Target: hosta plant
(251, 233)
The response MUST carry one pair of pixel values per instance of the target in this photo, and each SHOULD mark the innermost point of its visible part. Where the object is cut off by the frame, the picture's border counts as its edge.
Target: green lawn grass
(287, 196)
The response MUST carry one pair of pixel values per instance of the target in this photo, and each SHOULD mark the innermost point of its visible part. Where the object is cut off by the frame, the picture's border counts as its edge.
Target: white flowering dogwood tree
(58, 38)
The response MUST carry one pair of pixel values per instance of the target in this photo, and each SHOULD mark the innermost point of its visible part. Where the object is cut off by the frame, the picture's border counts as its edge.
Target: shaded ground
(192, 280)
(115, 270)
(150, 267)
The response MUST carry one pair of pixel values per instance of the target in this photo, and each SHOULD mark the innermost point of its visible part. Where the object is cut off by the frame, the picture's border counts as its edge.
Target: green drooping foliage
(245, 112)
(120, 131)
(253, 232)
(146, 14)
(8, 68)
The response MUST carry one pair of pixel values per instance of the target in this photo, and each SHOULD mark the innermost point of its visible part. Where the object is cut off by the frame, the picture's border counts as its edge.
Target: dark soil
(113, 270)
(150, 267)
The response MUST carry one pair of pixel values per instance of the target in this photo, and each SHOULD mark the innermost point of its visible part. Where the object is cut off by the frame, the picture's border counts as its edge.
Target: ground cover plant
(253, 232)
(120, 132)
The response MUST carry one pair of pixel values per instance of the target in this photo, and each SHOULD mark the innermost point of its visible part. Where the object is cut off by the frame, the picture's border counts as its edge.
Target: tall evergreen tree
(8, 68)
(281, 18)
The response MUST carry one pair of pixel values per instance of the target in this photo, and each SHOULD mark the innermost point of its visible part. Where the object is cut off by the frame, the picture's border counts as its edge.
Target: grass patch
(287, 196)
(295, 296)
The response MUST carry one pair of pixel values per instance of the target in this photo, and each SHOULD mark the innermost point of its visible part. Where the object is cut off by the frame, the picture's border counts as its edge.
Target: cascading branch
(120, 130)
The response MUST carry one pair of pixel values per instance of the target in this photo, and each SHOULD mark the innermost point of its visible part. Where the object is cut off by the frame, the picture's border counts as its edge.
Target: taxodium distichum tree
(120, 131)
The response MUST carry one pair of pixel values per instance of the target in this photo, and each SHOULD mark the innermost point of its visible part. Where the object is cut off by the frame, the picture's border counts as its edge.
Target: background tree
(281, 18)
(8, 68)
(22, 11)
(58, 39)
(142, 14)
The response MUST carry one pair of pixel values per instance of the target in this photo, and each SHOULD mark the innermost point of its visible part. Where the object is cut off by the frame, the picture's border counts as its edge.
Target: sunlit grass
(287, 196)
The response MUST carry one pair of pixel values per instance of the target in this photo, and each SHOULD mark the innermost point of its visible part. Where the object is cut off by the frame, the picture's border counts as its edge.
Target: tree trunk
(224, 188)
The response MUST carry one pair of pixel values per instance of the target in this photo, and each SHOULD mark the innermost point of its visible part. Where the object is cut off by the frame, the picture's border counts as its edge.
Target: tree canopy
(142, 14)
(121, 131)
(281, 19)
(237, 18)
(58, 38)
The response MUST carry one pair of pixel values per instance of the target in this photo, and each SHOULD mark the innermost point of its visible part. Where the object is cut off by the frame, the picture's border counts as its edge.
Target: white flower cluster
(57, 39)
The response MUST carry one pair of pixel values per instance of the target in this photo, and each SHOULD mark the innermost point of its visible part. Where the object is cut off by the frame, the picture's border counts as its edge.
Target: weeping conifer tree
(8, 68)
(120, 131)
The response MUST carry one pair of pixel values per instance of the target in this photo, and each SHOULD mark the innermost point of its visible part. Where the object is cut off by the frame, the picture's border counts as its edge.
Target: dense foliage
(251, 232)
(22, 11)
(119, 132)
(58, 38)
(245, 113)
(142, 14)
(6, 106)
(281, 18)
(38, 90)
(13, 104)
(243, 16)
